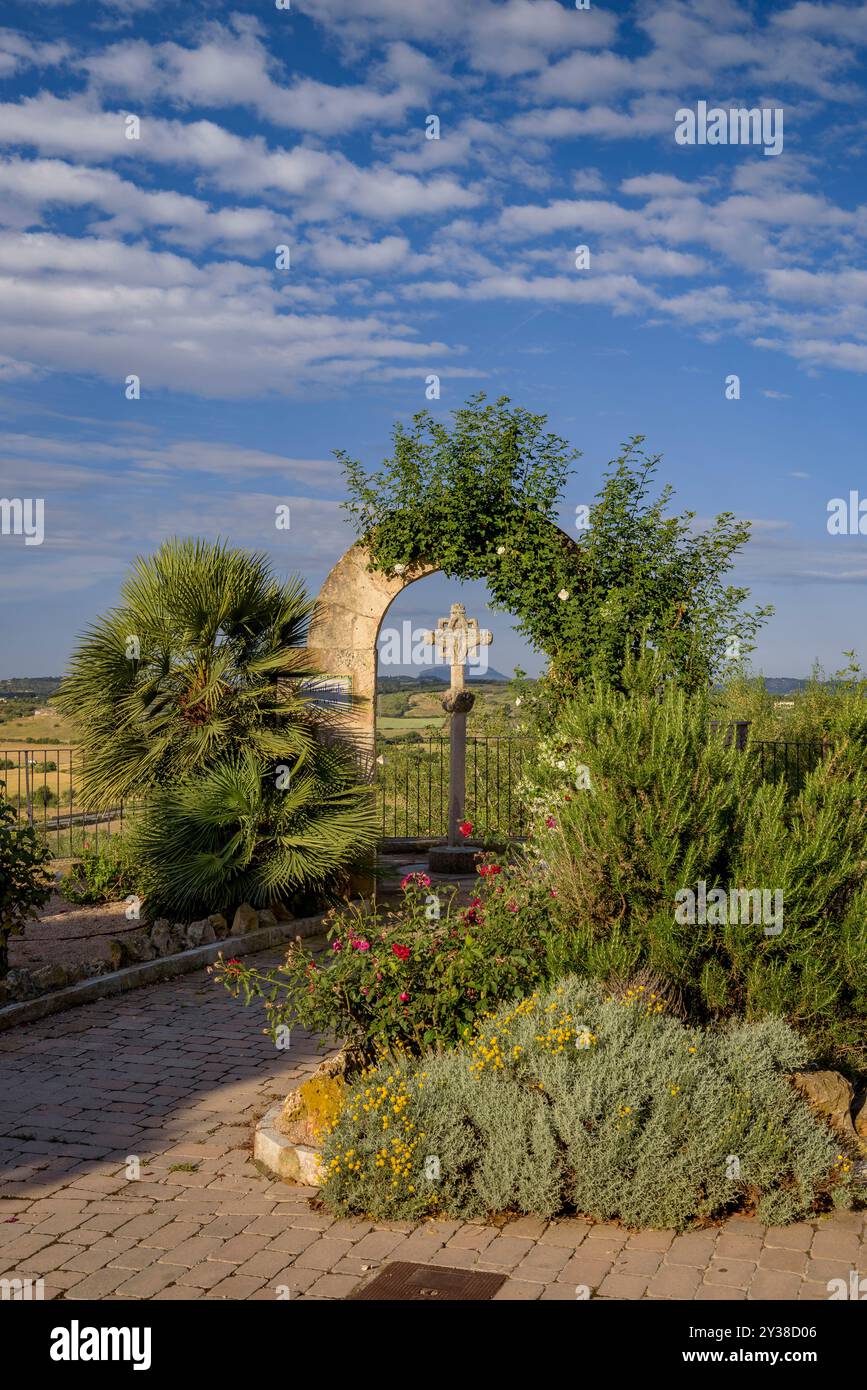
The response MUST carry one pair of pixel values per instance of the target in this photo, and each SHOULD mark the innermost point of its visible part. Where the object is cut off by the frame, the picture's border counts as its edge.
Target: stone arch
(345, 626)
(344, 629)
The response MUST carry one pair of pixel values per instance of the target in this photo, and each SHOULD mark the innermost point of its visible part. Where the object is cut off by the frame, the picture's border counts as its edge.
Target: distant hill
(784, 685)
(436, 676)
(22, 686)
(42, 687)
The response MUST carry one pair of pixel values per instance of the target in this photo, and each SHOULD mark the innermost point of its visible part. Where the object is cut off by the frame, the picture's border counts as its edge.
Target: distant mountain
(436, 676)
(22, 686)
(784, 685)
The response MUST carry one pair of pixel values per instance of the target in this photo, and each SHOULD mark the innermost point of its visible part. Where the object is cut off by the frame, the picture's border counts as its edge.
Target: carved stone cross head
(455, 638)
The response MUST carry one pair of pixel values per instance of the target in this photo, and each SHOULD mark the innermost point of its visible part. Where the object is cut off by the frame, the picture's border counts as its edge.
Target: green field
(426, 725)
(411, 707)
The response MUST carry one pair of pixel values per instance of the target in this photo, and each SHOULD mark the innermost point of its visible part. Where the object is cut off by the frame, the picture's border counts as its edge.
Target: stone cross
(455, 638)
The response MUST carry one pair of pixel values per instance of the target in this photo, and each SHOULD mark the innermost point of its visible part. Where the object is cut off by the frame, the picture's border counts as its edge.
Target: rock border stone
(274, 1153)
(153, 971)
(278, 1157)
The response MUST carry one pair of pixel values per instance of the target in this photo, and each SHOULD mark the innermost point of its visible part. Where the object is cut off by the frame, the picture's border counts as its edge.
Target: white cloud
(845, 22)
(657, 185)
(332, 253)
(229, 68)
(103, 307)
(518, 36)
(646, 118)
(127, 5)
(820, 352)
(220, 459)
(588, 181)
(30, 188)
(818, 287)
(576, 215)
(622, 293)
(321, 180)
(17, 51)
(11, 369)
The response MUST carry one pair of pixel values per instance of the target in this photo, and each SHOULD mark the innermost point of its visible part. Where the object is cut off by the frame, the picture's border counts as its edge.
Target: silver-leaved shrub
(578, 1100)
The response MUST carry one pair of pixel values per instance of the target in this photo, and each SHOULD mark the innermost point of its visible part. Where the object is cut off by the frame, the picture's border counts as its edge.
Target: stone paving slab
(175, 1075)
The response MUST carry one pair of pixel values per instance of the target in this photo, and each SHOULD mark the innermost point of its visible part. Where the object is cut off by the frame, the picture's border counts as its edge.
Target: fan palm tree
(230, 835)
(202, 658)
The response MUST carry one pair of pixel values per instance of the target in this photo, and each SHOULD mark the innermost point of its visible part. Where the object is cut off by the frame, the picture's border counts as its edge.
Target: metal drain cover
(408, 1283)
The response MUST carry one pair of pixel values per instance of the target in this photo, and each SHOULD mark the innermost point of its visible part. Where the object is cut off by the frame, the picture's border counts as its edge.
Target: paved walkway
(175, 1073)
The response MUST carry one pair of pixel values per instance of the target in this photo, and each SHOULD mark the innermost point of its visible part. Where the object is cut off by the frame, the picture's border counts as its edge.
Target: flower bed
(572, 1099)
(401, 981)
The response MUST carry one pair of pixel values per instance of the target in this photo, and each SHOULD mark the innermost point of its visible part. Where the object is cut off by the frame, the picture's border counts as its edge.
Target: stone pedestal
(453, 859)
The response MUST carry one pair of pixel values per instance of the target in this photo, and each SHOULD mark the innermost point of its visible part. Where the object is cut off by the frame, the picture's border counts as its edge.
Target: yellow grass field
(27, 732)
(30, 737)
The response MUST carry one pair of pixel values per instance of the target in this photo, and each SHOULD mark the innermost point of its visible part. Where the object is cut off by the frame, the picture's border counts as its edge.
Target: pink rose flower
(415, 881)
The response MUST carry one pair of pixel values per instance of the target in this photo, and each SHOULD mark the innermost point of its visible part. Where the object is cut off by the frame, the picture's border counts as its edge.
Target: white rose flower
(563, 595)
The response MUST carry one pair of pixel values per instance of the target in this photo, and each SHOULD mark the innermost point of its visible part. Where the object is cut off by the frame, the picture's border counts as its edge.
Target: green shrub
(232, 835)
(481, 498)
(405, 980)
(44, 796)
(669, 807)
(631, 801)
(574, 1099)
(102, 873)
(25, 883)
(814, 850)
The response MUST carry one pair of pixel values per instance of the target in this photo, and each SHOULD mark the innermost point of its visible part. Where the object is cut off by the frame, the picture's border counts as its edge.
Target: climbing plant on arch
(483, 498)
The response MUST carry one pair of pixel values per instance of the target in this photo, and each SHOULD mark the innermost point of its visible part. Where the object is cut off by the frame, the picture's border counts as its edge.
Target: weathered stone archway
(343, 632)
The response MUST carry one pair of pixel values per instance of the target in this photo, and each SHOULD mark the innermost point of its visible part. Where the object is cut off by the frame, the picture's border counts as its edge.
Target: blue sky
(261, 127)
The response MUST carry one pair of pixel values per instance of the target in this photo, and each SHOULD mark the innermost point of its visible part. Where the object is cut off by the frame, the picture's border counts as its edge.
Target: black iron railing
(412, 786)
(412, 780)
(788, 758)
(43, 785)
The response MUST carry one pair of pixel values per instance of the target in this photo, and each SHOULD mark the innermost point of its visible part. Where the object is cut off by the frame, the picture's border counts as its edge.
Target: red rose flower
(466, 828)
(403, 952)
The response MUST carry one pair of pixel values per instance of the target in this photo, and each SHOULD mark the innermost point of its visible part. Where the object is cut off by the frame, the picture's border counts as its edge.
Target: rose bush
(392, 982)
